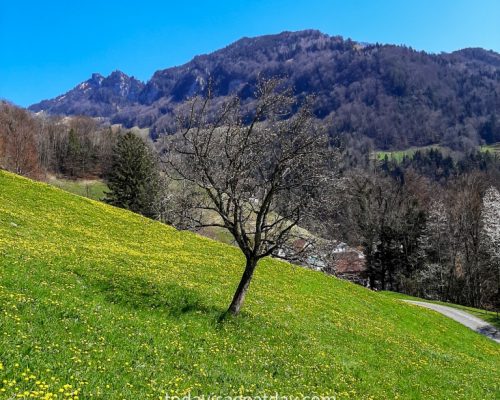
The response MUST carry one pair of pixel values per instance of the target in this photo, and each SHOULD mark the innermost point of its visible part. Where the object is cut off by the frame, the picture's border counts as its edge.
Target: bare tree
(17, 128)
(439, 267)
(491, 221)
(466, 212)
(52, 141)
(491, 233)
(260, 170)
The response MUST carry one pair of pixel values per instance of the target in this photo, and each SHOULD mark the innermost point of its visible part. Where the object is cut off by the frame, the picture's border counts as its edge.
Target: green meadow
(93, 188)
(491, 148)
(398, 155)
(97, 302)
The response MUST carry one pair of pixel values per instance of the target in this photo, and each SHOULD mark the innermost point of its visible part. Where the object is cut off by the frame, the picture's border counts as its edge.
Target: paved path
(469, 320)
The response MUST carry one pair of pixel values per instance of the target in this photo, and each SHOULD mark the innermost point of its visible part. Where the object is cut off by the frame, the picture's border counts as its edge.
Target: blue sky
(48, 47)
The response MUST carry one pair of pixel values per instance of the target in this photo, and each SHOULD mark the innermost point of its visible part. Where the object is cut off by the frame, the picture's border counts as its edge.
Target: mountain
(98, 302)
(97, 97)
(393, 95)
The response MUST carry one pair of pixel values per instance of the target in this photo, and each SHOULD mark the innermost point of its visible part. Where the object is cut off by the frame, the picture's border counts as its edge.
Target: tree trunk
(242, 289)
(371, 280)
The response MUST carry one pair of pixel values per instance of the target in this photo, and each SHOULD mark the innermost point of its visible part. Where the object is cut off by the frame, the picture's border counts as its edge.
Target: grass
(97, 302)
(92, 188)
(492, 148)
(489, 316)
(397, 155)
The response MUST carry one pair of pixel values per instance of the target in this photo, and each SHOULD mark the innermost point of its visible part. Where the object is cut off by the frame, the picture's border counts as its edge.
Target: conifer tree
(134, 180)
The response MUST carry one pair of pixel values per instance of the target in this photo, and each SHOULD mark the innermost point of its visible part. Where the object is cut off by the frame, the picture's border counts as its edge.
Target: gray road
(469, 320)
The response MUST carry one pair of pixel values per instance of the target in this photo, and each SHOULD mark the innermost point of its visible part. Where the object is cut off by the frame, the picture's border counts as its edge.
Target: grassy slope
(488, 316)
(398, 155)
(118, 306)
(93, 189)
(492, 148)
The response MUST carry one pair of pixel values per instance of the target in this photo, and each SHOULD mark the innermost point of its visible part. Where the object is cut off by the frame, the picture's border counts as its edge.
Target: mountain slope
(394, 95)
(97, 301)
(98, 96)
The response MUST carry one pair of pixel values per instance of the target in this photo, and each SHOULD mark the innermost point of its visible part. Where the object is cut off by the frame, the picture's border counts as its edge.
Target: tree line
(422, 238)
(37, 145)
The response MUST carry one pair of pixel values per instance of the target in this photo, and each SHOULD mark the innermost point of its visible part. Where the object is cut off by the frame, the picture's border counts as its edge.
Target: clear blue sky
(47, 47)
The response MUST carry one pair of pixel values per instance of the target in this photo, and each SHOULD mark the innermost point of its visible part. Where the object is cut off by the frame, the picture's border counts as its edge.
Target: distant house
(332, 257)
(351, 265)
(347, 263)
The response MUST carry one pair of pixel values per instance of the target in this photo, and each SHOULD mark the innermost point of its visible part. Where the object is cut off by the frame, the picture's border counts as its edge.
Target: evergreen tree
(134, 180)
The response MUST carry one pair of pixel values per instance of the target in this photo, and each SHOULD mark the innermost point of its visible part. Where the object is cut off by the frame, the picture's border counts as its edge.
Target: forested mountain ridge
(393, 95)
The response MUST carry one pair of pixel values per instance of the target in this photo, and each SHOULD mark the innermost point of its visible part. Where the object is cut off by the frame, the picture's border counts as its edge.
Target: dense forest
(392, 96)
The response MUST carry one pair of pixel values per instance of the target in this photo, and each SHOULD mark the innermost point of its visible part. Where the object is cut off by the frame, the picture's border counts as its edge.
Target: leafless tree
(260, 170)
(491, 238)
(491, 221)
(17, 129)
(466, 212)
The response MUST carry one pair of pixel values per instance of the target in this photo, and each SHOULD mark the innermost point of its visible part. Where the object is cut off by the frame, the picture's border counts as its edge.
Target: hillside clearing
(398, 155)
(491, 148)
(97, 302)
(92, 188)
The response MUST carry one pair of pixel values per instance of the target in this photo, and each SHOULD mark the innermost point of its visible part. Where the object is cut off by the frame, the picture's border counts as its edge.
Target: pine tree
(134, 178)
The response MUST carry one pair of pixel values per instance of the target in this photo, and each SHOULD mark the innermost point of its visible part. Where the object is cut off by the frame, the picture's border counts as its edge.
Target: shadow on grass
(175, 300)
(142, 294)
(139, 293)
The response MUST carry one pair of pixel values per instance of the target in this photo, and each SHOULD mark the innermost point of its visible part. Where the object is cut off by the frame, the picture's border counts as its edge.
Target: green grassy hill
(97, 302)
(492, 148)
(398, 155)
(93, 189)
